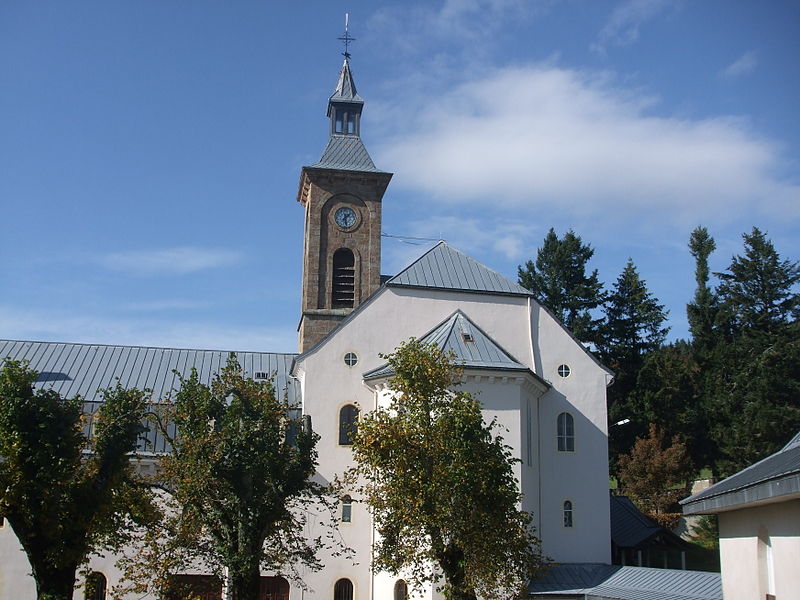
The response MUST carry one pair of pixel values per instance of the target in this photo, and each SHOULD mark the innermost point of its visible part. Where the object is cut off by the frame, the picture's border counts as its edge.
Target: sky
(150, 152)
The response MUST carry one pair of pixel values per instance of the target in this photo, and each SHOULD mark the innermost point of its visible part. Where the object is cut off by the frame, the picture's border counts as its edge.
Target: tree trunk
(246, 585)
(52, 583)
(453, 569)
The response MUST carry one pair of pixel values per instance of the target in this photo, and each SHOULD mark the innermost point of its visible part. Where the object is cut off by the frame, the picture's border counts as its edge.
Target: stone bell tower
(341, 195)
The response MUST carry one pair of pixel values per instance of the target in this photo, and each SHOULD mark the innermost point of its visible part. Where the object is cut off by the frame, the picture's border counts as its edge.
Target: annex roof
(770, 479)
(83, 369)
(613, 582)
(444, 267)
(346, 153)
(630, 528)
(471, 346)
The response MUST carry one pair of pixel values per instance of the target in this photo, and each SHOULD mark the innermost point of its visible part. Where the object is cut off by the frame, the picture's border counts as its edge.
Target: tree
(757, 291)
(634, 327)
(559, 281)
(754, 381)
(668, 393)
(440, 484)
(655, 475)
(702, 312)
(66, 495)
(238, 477)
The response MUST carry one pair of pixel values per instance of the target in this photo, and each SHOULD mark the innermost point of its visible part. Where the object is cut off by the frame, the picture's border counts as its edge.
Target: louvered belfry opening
(344, 278)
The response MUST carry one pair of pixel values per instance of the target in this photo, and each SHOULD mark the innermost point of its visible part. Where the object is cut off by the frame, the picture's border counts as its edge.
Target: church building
(541, 384)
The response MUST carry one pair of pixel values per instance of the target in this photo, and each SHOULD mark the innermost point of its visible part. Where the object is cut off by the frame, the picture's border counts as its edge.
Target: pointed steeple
(345, 105)
(345, 88)
(345, 150)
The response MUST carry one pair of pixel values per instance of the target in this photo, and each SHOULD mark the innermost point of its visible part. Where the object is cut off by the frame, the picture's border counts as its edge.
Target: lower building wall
(760, 551)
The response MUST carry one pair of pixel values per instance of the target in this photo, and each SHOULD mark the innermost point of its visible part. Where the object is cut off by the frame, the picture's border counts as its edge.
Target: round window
(563, 370)
(351, 359)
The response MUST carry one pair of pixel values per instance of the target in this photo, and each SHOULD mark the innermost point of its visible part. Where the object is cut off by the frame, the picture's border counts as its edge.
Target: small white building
(759, 526)
(542, 385)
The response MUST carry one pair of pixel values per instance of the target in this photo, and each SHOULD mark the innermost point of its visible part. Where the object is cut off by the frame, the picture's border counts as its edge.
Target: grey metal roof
(775, 476)
(630, 528)
(612, 582)
(444, 267)
(346, 88)
(472, 347)
(83, 369)
(347, 153)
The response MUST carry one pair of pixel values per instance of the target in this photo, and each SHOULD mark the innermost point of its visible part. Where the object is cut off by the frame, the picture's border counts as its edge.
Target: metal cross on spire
(346, 38)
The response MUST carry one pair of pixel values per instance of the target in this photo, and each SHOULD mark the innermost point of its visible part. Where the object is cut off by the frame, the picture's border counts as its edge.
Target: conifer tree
(559, 281)
(634, 327)
(758, 289)
(702, 312)
(753, 383)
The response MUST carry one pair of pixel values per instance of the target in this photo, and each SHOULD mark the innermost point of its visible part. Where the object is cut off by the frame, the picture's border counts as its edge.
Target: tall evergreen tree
(702, 311)
(634, 327)
(758, 289)
(754, 381)
(559, 281)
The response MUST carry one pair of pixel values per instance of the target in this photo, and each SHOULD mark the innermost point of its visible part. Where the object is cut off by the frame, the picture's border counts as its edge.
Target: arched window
(567, 513)
(400, 590)
(96, 585)
(347, 509)
(344, 279)
(566, 433)
(343, 590)
(273, 588)
(348, 424)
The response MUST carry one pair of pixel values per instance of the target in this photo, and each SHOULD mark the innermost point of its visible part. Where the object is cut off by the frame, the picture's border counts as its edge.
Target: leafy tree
(559, 281)
(655, 475)
(238, 477)
(440, 484)
(634, 327)
(66, 495)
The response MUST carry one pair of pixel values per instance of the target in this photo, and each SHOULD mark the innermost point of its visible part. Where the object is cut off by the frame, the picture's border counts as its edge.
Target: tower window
(344, 278)
(345, 122)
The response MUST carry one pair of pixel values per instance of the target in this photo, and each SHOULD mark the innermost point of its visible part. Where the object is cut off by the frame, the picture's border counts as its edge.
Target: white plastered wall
(748, 537)
(532, 337)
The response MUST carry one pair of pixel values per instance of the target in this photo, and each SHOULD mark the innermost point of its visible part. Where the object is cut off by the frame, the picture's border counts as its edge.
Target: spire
(345, 88)
(345, 151)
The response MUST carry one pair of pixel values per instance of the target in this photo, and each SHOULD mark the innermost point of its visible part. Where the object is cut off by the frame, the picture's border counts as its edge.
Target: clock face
(345, 217)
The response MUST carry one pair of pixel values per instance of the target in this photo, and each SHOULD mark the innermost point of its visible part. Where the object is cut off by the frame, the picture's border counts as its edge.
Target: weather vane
(346, 38)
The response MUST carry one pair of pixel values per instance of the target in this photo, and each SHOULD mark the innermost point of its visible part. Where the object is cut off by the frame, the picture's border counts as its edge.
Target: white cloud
(743, 65)
(179, 260)
(573, 141)
(622, 27)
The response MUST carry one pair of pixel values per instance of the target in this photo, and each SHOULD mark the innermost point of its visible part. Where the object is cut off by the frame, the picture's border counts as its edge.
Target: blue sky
(150, 151)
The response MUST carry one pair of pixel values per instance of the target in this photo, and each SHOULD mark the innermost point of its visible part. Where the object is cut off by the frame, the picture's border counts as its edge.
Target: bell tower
(341, 195)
